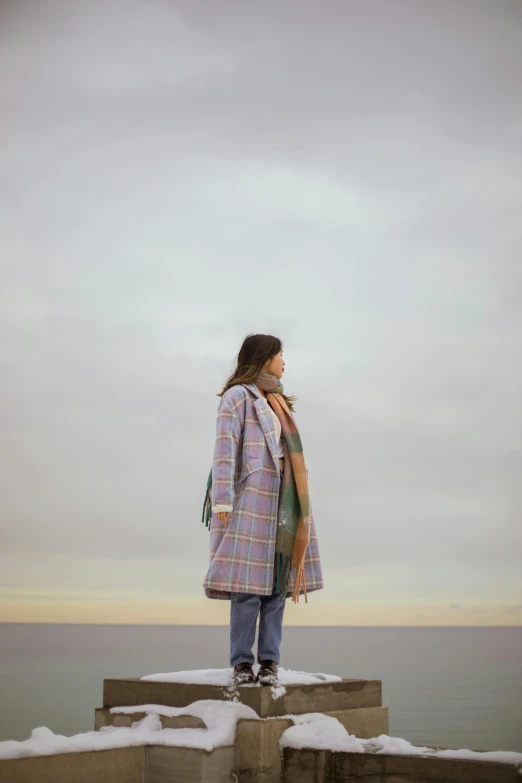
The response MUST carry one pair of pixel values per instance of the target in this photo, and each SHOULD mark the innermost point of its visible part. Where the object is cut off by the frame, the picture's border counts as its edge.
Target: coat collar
(254, 389)
(265, 420)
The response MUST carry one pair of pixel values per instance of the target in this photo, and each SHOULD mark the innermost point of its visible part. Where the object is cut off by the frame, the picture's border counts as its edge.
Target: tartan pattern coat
(245, 475)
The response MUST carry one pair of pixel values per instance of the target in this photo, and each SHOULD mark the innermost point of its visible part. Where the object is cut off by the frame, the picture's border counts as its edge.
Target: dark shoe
(243, 673)
(267, 674)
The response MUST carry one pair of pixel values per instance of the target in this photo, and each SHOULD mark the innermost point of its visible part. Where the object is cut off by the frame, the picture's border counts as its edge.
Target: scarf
(293, 522)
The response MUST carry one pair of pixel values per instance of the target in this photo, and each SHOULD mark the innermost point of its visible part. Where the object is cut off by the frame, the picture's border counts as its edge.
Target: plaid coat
(245, 475)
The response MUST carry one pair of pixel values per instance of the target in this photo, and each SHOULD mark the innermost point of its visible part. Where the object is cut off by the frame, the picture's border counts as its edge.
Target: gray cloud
(177, 175)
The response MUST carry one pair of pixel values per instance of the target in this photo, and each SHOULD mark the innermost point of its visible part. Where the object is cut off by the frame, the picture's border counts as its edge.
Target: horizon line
(224, 625)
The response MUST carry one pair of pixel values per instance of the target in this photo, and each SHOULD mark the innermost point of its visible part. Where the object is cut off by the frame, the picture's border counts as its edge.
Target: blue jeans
(244, 611)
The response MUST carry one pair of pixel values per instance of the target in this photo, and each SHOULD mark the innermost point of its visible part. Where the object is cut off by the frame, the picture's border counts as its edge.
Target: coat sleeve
(228, 434)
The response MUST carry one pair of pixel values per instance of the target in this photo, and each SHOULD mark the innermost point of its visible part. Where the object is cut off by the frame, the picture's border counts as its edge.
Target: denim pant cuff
(244, 660)
(267, 657)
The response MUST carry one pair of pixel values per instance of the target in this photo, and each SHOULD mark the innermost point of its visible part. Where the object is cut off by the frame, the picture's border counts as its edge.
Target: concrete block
(320, 766)
(257, 757)
(139, 764)
(117, 765)
(265, 701)
(104, 717)
(374, 768)
(308, 766)
(365, 722)
(189, 765)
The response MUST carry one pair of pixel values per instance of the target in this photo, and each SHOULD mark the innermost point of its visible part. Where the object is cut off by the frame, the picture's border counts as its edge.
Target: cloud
(177, 176)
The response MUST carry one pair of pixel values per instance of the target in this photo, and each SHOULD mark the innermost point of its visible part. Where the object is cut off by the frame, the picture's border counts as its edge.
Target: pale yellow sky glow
(30, 606)
(63, 588)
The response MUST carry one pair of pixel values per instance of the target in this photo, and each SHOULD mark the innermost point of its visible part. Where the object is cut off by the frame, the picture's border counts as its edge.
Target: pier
(153, 731)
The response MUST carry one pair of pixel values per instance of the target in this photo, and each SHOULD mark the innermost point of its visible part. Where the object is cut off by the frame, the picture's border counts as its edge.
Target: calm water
(459, 687)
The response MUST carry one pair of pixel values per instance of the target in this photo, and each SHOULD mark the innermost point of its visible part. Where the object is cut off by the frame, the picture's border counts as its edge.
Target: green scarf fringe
(207, 505)
(283, 565)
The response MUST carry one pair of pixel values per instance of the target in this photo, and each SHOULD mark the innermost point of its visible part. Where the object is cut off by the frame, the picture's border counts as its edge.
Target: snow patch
(220, 717)
(323, 732)
(224, 677)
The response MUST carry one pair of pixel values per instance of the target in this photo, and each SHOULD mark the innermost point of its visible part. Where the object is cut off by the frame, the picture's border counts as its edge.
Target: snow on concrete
(224, 677)
(220, 717)
(323, 732)
(311, 730)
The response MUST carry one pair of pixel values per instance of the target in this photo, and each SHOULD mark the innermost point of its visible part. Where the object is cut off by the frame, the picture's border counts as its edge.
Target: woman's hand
(223, 517)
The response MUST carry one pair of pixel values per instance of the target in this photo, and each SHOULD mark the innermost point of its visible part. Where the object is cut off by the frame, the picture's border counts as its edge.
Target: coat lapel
(265, 420)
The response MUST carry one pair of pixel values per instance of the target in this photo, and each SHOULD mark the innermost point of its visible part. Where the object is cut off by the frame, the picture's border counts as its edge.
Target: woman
(263, 542)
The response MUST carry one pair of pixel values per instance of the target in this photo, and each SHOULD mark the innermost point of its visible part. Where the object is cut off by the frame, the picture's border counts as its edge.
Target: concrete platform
(140, 764)
(257, 757)
(117, 765)
(297, 699)
(323, 766)
(257, 753)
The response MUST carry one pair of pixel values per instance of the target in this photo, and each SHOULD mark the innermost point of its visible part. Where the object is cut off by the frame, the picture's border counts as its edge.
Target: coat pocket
(249, 466)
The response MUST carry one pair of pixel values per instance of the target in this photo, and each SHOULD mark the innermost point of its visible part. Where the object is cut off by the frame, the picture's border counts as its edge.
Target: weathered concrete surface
(297, 699)
(118, 765)
(189, 765)
(140, 764)
(257, 757)
(257, 753)
(104, 717)
(308, 766)
(314, 766)
(364, 722)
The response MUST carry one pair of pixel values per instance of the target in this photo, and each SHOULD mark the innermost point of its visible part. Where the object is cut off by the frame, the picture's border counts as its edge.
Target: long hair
(255, 351)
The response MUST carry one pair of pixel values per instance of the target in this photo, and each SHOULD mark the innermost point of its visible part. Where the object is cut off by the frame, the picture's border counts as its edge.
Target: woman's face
(276, 365)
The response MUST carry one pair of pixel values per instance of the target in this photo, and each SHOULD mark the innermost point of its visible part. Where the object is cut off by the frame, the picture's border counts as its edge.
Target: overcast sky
(345, 175)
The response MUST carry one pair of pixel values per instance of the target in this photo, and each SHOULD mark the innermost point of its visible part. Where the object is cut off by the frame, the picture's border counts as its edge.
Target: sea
(452, 686)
